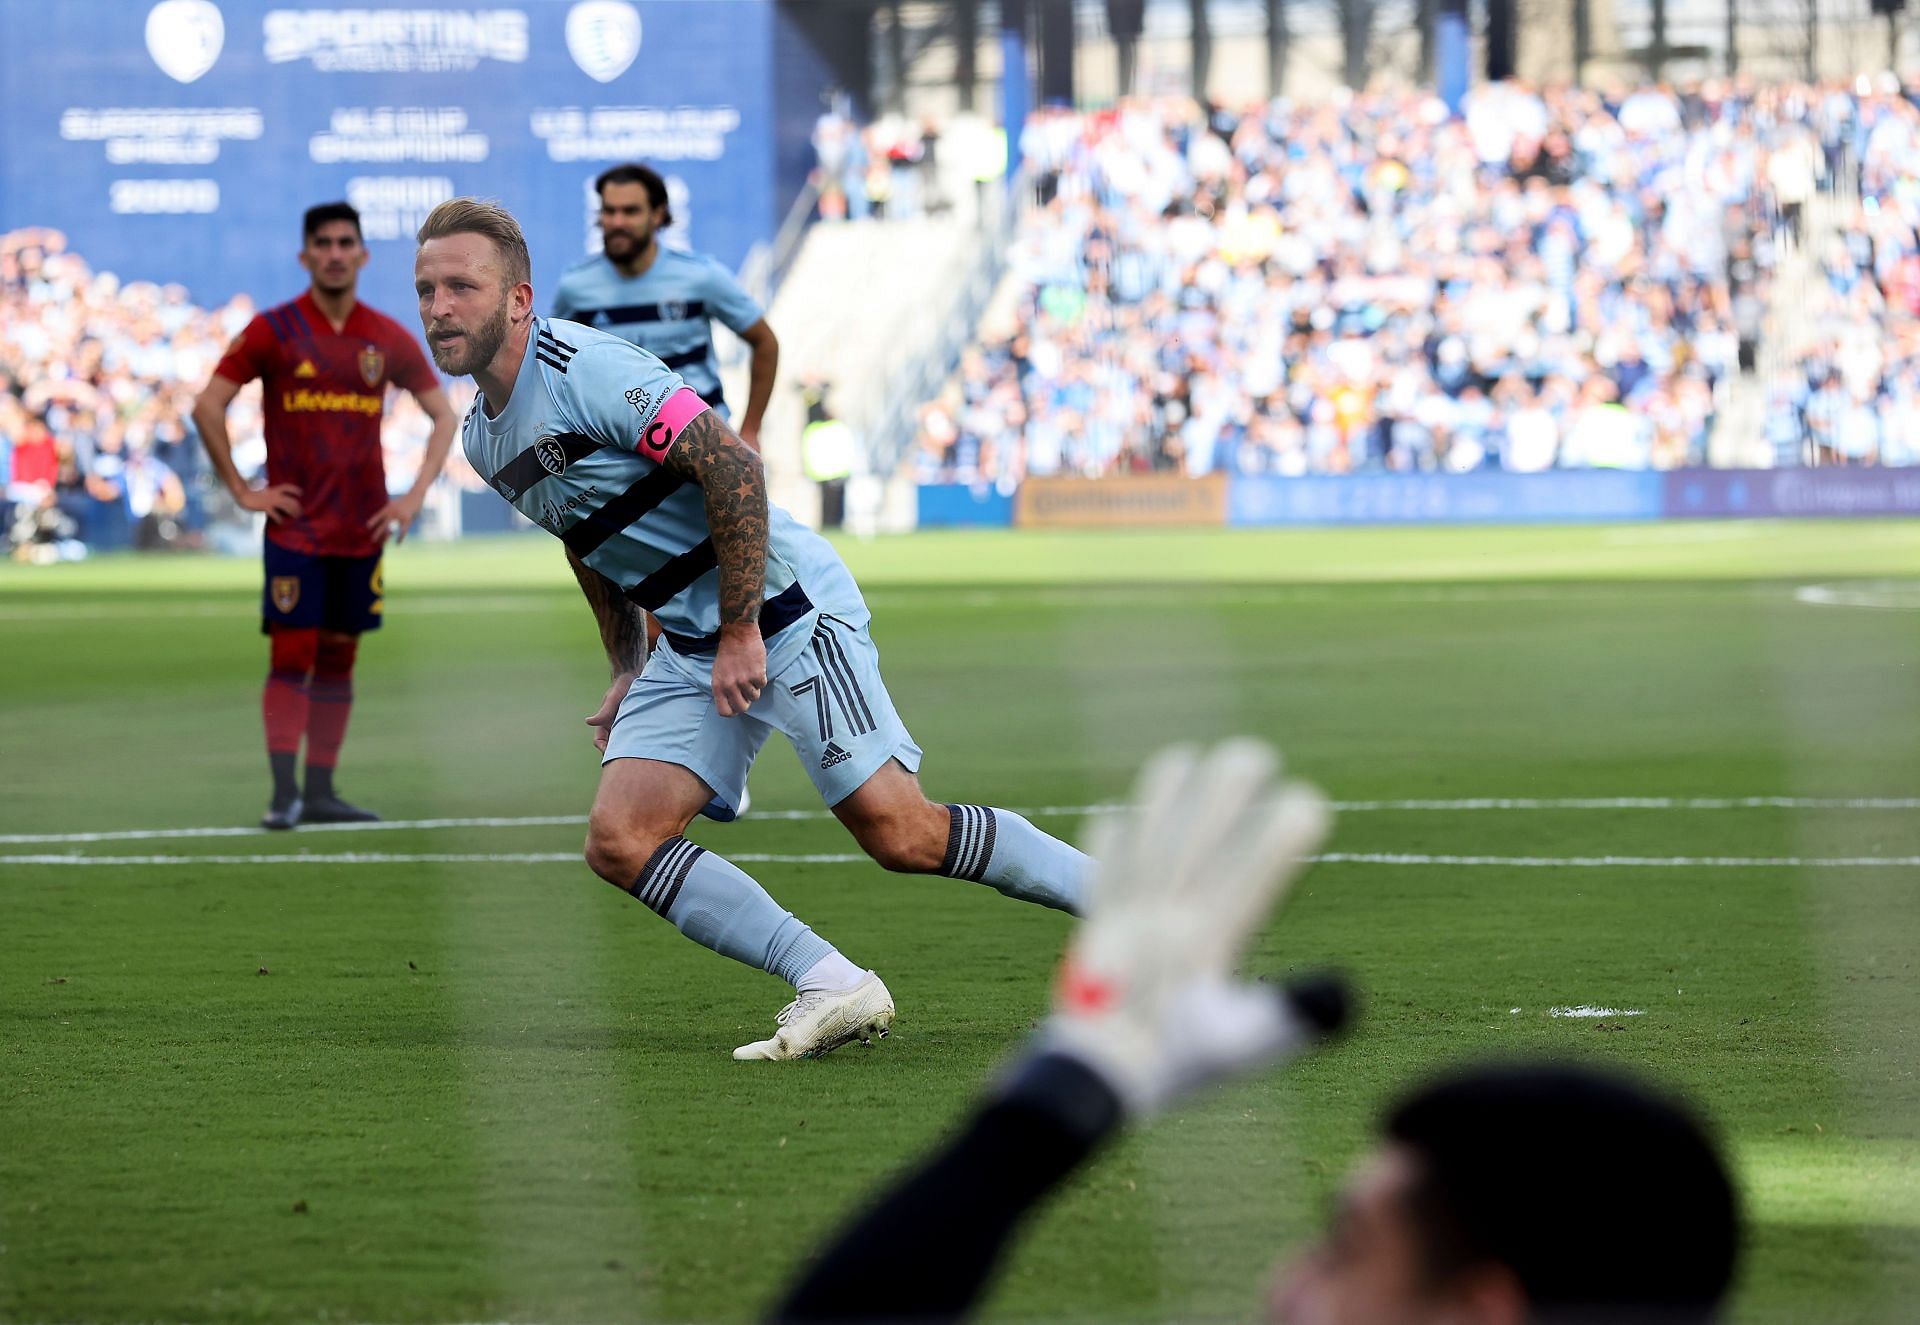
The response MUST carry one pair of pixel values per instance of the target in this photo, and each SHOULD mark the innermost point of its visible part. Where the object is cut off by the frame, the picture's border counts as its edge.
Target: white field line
(407, 858)
(838, 858)
(1616, 862)
(237, 606)
(1587, 1010)
(1470, 805)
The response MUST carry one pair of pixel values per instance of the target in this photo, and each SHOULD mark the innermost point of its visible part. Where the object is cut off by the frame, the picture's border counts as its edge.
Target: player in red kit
(325, 362)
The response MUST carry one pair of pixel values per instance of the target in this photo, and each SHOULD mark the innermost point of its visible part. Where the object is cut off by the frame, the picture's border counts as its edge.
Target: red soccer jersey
(323, 394)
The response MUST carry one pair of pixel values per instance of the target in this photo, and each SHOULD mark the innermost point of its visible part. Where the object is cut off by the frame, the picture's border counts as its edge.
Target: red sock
(332, 700)
(283, 705)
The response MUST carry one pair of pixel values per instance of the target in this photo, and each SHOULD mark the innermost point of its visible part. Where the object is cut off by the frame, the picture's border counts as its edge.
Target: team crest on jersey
(286, 593)
(372, 365)
(673, 310)
(551, 455)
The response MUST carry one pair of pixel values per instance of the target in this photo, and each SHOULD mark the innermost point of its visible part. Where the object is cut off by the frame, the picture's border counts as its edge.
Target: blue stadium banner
(181, 140)
(942, 505)
(1789, 493)
(1482, 498)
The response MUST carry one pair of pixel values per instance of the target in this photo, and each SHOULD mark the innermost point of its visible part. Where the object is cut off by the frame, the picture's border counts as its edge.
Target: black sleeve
(925, 1250)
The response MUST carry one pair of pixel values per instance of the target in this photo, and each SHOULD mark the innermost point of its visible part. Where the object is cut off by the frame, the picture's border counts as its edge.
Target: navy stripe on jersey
(301, 327)
(276, 325)
(546, 457)
(596, 527)
(661, 587)
(687, 358)
(776, 614)
(685, 310)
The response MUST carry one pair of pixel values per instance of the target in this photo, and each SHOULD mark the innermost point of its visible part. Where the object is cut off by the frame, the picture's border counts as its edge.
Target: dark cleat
(333, 810)
(282, 815)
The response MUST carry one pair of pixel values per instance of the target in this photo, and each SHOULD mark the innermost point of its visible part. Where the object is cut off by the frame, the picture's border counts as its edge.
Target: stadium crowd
(1850, 392)
(97, 380)
(1553, 279)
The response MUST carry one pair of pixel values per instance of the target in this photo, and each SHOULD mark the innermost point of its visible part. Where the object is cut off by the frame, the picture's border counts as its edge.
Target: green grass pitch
(352, 1088)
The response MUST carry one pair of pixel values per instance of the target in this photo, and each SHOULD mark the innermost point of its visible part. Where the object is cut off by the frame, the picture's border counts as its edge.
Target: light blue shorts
(829, 702)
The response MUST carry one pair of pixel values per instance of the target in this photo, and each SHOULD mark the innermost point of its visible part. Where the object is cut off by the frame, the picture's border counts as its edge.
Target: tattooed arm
(623, 627)
(734, 486)
(623, 630)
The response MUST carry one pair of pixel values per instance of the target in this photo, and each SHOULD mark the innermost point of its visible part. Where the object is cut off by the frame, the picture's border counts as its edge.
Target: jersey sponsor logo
(551, 511)
(305, 401)
(286, 593)
(603, 37)
(184, 37)
(306, 369)
(551, 455)
(642, 400)
(372, 365)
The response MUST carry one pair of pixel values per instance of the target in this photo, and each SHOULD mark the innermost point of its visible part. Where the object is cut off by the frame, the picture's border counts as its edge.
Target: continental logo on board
(330, 402)
(1133, 499)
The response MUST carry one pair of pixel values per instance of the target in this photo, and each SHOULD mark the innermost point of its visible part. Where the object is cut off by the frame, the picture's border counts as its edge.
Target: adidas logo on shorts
(834, 755)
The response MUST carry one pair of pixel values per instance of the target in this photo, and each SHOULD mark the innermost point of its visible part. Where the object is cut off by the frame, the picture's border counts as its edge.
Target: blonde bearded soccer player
(664, 510)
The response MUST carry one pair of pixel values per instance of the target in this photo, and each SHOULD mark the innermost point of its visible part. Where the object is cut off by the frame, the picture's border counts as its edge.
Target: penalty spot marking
(1469, 805)
(1876, 595)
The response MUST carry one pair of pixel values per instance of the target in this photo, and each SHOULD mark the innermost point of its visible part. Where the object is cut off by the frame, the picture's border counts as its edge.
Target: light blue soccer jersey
(577, 450)
(668, 310)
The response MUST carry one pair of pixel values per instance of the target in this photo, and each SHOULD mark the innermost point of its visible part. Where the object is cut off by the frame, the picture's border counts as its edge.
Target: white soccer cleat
(820, 1021)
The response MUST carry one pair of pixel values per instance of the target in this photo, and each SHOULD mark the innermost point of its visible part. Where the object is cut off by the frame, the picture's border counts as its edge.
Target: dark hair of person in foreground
(1503, 1194)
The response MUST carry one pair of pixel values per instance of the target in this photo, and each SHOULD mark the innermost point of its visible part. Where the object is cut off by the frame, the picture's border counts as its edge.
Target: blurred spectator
(1559, 278)
(1852, 347)
(97, 380)
(886, 170)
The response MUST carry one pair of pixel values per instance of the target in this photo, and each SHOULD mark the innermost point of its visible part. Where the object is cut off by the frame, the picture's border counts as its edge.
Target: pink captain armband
(676, 412)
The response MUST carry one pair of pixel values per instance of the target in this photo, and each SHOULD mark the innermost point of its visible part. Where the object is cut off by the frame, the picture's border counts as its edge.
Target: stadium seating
(1559, 280)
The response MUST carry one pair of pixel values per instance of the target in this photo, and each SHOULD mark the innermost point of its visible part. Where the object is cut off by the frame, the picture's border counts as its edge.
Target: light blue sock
(718, 905)
(1004, 851)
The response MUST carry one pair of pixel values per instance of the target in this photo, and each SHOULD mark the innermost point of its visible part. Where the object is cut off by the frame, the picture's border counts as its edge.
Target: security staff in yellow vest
(827, 447)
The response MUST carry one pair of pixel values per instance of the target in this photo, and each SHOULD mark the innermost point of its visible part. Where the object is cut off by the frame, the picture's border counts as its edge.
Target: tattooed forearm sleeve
(735, 487)
(623, 627)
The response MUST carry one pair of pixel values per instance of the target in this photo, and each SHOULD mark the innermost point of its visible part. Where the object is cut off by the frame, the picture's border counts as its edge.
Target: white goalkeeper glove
(1146, 995)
